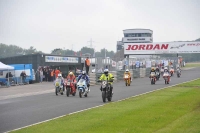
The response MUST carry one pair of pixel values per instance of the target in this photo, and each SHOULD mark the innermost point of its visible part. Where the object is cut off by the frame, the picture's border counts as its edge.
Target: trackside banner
(161, 48)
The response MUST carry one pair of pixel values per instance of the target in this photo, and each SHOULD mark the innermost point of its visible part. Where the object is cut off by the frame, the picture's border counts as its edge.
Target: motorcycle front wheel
(67, 91)
(56, 91)
(80, 93)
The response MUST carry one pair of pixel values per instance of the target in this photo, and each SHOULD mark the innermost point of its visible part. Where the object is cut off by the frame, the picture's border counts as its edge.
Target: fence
(14, 81)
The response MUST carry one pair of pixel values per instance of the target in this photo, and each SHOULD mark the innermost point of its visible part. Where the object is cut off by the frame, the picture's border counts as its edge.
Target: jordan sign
(161, 48)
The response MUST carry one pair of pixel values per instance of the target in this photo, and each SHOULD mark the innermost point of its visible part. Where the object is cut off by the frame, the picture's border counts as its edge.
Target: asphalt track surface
(28, 108)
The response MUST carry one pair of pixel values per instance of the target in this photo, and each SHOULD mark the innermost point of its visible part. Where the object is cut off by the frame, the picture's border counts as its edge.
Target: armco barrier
(135, 73)
(120, 75)
(142, 72)
(98, 75)
(148, 72)
(114, 73)
(92, 78)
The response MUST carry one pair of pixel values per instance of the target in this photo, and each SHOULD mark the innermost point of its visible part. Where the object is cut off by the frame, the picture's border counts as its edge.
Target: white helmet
(106, 71)
(59, 75)
(165, 67)
(127, 70)
(83, 72)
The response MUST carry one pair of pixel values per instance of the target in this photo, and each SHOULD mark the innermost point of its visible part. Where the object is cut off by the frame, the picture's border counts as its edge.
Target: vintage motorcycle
(58, 86)
(166, 77)
(127, 80)
(171, 71)
(106, 90)
(152, 77)
(157, 75)
(178, 72)
(70, 88)
(82, 88)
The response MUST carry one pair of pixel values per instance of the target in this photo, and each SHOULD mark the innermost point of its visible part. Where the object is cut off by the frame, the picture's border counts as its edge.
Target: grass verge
(188, 65)
(174, 110)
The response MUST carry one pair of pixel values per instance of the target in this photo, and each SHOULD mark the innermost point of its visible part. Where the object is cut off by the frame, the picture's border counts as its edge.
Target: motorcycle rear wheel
(109, 96)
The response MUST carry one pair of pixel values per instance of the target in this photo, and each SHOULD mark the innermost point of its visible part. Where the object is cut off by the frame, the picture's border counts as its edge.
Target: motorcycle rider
(62, 80)
(86, 78)
(110, 77)
(127, 72)
(158, 70)
(178, 68)
(152, 71)
(167, 71)
(72, 77)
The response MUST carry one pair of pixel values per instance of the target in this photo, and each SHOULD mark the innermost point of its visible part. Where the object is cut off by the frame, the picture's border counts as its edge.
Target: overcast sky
(49, 24)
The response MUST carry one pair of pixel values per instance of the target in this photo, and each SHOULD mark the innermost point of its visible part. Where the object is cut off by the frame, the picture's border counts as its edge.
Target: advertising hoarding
(61, 59)
(161, 48)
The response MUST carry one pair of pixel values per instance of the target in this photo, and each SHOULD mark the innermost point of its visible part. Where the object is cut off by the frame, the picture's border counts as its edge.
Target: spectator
(56, 73)
(87, 65)
(45, 74)
(52, 75)
(41, 75)
(23, 76)
(8, 75)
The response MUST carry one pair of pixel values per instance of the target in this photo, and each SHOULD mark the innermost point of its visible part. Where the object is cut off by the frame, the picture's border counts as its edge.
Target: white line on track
(100, 105)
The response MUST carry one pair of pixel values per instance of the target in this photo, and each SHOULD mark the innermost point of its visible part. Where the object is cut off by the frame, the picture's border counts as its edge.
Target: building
(64, 63)
(138, 36)
(135, 36)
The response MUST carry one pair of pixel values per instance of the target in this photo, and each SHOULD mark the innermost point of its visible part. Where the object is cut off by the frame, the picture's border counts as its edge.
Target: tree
(31, 50)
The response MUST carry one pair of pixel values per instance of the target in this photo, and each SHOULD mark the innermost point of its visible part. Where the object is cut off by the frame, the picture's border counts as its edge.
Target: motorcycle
(70, 88)
(162, 70)
(157, 75)
(127, 80)
(58, 86)
(82, 88)
(171, 71)
(166, 77)
(106, 90)
(153, 78)
(178, 73)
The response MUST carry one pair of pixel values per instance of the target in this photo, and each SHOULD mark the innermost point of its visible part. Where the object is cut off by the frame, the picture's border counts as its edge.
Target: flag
(75, 54)
(80, 54)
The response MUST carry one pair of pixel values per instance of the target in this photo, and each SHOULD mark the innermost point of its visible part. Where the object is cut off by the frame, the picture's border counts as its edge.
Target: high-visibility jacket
(52, 73)
(104, 77)
(87, 62)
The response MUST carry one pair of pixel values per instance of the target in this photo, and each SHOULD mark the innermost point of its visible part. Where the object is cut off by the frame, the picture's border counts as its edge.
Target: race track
(24, 109)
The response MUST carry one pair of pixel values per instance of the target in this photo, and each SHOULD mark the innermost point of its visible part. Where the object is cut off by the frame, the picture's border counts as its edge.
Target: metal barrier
(142, 72)
(147, 72)
(120, 75)
(92, 78)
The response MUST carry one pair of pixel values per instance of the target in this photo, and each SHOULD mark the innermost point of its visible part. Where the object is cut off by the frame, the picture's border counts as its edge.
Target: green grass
(192, 65)
(171, 110)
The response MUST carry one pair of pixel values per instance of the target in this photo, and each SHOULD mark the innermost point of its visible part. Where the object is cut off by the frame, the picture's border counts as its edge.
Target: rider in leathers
(85, 77)
(62, 80)
(152, 71)
(72, 77)
(127, 72)
(166, 70)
